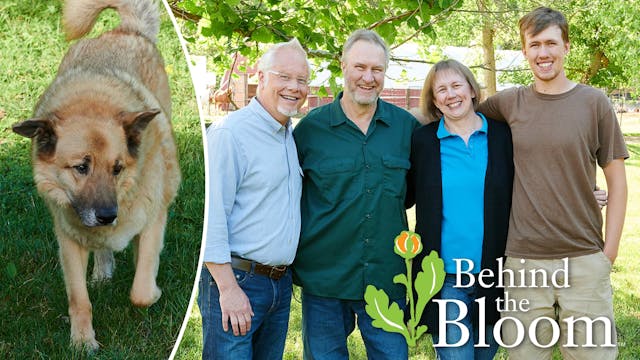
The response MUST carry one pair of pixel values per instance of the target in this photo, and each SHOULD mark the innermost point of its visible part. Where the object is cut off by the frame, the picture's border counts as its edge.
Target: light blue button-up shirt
(255, 184)
(463, 171)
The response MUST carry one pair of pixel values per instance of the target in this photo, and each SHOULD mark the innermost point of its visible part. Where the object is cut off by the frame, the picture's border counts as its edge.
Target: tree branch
(393, 18)
(430, 23)
(322, 54)
(481, 66)
(183, 14)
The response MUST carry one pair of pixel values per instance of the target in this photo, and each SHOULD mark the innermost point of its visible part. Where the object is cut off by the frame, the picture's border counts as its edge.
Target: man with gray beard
(355, 155)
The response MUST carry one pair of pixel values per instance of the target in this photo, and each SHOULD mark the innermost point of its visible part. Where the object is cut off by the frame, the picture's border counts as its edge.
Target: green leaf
(333, 85)
(262, 35)
(322, 91)
(206, 31)
(420, 331)
(401, 279)
(245, 50)
(12, 271)
(204, 22)
(428, 281)
(190, 6)
(412, 323)
(385, 317)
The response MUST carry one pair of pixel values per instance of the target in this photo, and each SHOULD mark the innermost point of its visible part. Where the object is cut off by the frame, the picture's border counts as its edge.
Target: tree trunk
(489, 58)
(598, 61)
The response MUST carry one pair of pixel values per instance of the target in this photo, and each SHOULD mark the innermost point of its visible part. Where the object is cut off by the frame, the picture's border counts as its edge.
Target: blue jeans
(327, 322)
(270, 301)
(467, 351)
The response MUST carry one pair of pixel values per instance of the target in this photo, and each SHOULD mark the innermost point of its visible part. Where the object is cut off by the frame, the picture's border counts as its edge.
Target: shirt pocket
(395, 174)
(338, 178)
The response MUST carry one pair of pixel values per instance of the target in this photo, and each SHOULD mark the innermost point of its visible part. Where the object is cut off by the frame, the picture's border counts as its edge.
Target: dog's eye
(82, 169)
(117, 168)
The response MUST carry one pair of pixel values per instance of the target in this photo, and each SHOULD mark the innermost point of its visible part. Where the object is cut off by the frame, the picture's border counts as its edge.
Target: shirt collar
(443, 132)
(269, 121)
(339, 116)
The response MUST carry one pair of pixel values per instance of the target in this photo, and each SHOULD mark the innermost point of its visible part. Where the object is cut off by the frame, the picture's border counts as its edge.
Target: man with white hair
(253, 221)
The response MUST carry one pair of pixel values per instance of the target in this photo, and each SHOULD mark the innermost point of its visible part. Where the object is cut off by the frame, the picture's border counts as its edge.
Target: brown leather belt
(273, 272)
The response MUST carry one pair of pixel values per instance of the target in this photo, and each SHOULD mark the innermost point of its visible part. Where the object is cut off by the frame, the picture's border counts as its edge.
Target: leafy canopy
(604, 42)
(221, 28)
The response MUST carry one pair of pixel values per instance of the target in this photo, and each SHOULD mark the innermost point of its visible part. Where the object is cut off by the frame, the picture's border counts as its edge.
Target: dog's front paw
(85, 346)
(147, 296)
(83, 338)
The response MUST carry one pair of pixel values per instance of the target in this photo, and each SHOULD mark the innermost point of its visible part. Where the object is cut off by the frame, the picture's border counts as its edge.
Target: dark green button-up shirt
(352, 200)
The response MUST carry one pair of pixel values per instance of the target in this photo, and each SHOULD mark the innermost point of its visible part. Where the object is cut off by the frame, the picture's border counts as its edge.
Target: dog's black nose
(106, 216)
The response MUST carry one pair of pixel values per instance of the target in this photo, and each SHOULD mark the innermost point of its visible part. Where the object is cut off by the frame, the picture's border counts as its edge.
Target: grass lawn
(33, 303)
(625, 279)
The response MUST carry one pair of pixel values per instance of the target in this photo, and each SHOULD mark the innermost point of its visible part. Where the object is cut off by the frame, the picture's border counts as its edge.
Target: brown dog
(104, 157)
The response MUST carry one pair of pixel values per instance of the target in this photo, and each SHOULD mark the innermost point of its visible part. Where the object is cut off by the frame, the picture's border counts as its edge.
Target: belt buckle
(276, 272)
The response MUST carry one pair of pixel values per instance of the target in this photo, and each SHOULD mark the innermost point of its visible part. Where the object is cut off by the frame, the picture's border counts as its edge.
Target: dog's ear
(134, 124)
(41, 130)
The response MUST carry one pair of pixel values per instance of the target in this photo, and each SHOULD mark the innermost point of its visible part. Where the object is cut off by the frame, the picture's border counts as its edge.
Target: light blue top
(255, 184)
(463, 170)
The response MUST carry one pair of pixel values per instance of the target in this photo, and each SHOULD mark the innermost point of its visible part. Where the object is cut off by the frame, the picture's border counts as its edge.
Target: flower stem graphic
(412, 307)
(427, 283)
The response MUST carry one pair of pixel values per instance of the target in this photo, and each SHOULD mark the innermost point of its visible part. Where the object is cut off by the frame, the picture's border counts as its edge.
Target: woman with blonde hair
(460, 181)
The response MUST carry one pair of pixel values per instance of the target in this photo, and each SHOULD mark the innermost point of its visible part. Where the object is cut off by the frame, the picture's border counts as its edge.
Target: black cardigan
(424, 188)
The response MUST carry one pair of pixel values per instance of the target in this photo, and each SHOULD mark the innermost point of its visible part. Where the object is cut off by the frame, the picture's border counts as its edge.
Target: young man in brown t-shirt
(560, 130)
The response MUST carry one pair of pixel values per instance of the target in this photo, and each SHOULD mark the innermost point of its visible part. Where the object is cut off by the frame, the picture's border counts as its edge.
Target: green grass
(33, 303)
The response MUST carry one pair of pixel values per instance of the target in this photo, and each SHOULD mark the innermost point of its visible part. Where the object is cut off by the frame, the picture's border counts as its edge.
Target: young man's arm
(491, 109)
(614, 173)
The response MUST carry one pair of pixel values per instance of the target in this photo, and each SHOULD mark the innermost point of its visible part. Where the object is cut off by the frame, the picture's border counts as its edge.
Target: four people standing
(353, 160)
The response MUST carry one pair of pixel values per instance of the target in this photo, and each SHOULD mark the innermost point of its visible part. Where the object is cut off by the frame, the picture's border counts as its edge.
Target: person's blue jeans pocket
(270, 301)
(327, 322)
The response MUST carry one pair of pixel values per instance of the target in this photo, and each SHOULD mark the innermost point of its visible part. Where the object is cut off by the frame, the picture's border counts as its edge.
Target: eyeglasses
(302, 82)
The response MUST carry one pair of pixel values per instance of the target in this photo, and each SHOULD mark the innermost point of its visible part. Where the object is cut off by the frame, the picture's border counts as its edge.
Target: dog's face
(85, 162)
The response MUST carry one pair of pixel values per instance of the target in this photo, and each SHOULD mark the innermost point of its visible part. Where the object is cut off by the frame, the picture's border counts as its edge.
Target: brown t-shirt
(557, 140)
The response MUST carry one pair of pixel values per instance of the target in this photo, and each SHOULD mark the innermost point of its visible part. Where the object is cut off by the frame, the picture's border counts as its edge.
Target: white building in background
(202, 79)
(407, 77)
(411, 75)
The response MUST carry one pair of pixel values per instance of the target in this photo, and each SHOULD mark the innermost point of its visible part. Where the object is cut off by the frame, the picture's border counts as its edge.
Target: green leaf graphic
(429, 281)
(401, 279)
(426, 284)
(420, 331)
(385, 317)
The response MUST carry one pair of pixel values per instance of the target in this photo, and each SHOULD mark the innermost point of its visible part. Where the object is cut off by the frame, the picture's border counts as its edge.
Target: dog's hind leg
(103, 265)
(147, 248)
(74, 259)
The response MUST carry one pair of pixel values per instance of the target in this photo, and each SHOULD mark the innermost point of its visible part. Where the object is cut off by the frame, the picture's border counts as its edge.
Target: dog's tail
(141, 16)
